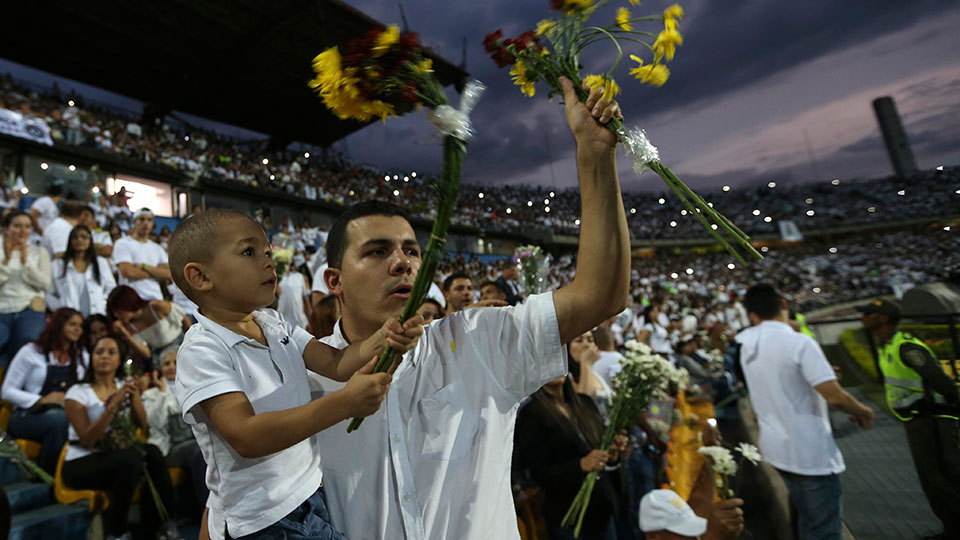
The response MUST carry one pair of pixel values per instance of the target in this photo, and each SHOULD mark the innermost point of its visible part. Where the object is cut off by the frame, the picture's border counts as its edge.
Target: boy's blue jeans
(309, 521)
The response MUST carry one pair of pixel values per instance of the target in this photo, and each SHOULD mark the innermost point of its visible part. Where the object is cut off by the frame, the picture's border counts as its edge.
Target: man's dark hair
(603, 337)
(55, 190)
(493, 284)
(337, 240)
(73, 209)
(447, 283)
(763, 300)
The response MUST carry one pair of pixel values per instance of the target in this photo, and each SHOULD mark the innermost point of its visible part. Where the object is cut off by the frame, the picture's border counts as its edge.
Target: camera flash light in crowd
(772, 185)
(661, 200)
(764, 249)
(96, 189)
(546, 209)
(413, 174)
(306, 155)
(44, 166)
(273, 177)
(902, 192)
(731, 266)
(633, 210)
(726, 188)
(674, 275)
(265, 161)
(871, 209)
(480, 195)
(767, 219)
(24, 190)
(713, 226)
(509, 210)
(939, 167)
(809, 200)
(406, 178)
(710, 204)
(396, 193)
(70, 103)
(529, 203)
(835, 181)
(186, 138)
(832, 250)
(756, 212)
(673, 223)
(810, 213)
(577, 223)
(683, 212)
(816, 290)
(712, 422)
(395, 177)
(386, 178)
(947, 228)
(689, 271)
(72, 168)
(546, 201)
(351, 193)
(552, 194)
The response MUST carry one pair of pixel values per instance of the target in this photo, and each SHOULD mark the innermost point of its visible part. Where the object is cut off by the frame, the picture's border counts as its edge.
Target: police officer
(927, 402)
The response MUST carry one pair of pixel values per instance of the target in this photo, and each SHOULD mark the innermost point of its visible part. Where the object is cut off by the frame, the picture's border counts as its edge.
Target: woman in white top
(147, 327)
(38, 377)
(583, 353)
(95, 458)
(653, 333)
(24, 280)
(168, 431)
(81, 279)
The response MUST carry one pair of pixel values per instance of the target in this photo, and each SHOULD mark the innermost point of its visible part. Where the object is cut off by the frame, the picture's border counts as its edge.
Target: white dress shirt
(434, 461)
(248, 494)
(782, 368)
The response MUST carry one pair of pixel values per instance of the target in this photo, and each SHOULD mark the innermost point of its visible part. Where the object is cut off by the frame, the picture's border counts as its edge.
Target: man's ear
(196, 276)
(331, 277)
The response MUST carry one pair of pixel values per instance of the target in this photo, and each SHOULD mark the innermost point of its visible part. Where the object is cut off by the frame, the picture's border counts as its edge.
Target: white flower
(722, 461)
(750, 452)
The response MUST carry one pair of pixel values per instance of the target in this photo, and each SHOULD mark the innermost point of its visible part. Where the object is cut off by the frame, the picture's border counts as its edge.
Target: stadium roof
(243, 62)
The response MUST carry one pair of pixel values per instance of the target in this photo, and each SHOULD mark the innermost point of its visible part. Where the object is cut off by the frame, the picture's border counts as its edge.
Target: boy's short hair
(196, 240)
(337, 239)
(763, 300)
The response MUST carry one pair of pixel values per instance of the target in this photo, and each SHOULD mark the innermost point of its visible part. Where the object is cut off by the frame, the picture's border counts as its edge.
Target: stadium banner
(789, 231)
(24, 127)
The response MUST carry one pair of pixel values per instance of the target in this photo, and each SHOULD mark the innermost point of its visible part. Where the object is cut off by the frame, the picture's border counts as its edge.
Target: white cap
(143, 212)
(664, 510)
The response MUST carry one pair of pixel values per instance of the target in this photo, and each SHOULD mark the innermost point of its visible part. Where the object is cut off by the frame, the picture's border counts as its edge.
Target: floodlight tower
(895, 138)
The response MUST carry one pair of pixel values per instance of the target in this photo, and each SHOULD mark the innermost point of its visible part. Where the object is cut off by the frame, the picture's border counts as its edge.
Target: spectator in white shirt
(609, 363)
(24, 280)
(44, 210)
(584, 354)
(57, 232)
(791, 385)
(37, 380)
(141, 263)
(653, 332)
(436, 457)
(81, 279)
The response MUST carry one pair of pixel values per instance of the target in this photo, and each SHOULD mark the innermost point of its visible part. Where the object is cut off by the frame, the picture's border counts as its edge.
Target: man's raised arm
(601, 287)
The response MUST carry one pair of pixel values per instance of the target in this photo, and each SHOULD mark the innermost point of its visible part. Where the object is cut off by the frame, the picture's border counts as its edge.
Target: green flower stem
(453, 152)
(616, 64)
(161, 509)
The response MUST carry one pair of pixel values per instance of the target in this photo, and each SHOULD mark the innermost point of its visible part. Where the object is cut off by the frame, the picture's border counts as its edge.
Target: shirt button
(407, 497)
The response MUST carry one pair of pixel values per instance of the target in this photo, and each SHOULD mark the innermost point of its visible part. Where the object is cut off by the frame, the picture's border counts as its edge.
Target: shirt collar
(338, 338)
(229, 337)
(776, 323)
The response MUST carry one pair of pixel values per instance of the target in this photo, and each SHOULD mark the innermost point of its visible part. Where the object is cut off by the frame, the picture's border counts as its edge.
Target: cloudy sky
(761, 90)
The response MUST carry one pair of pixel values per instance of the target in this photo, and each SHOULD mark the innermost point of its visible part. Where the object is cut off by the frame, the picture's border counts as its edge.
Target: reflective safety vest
(902, 385)
(804, 329)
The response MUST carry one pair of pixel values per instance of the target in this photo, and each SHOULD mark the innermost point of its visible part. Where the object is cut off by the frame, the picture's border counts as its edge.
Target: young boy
(243, 388)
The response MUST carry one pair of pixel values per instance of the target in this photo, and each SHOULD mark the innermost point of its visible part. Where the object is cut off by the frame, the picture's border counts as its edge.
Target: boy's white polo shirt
(247, 495)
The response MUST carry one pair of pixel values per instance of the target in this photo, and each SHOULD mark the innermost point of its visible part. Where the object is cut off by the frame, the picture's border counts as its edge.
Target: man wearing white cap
(141, 262)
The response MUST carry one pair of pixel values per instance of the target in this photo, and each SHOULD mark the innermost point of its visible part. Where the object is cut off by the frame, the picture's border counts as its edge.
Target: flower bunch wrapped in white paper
(533, 263)
(644, 376)
(721, 462)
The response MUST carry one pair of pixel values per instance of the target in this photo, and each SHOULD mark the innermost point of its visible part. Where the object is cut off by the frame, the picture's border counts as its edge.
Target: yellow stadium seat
(98, 500)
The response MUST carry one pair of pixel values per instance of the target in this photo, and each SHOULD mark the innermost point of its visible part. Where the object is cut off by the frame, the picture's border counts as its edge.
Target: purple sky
(753, 79)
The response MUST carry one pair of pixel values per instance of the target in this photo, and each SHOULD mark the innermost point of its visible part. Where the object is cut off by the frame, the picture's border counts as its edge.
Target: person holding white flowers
(791, 386)
(81, 279)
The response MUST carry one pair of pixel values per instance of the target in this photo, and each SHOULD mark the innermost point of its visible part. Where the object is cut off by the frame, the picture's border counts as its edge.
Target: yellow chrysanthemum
(425, 66)
(623, 19)
(673, 12)
(576, 7)
(609, 86)
(338, 89)
(519, 74)
(652, 74)
(666, 44)
(385, 40)
(546, 26)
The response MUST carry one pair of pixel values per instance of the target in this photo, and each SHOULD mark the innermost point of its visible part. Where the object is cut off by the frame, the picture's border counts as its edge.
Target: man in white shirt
(434, 461)
(57, 234)
(142, 263)
(45, 209)
(791, 385)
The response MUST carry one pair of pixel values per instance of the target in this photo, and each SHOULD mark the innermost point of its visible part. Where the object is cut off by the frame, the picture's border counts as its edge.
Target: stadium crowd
(201, 153)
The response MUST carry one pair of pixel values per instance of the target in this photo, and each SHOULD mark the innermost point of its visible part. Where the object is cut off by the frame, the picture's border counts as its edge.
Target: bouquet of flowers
(643, 377)
(387, 73)
(282, 257)
(533, 268)
(721, 462)
(11, 450)
(553, 50)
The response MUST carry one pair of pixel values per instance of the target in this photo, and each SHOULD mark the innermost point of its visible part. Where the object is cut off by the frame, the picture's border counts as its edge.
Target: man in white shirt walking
(791, 385)
(44, 210)
(434, 461)
(141, 262)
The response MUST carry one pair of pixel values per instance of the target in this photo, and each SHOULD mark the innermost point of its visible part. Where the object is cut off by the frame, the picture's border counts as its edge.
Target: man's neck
(883, 334)
(140, 238)
(354, 332)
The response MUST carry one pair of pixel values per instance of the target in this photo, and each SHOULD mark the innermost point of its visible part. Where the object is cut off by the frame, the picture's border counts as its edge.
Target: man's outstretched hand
(583, 118)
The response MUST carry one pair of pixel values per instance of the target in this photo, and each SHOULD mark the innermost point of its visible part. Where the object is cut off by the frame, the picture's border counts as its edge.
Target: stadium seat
(30, 448)
(176, 476)
(98, 500)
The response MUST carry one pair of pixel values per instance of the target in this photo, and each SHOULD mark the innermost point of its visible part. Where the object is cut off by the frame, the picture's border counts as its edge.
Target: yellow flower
(671, 15)
(425, 66)
(652, 74)
(546, 26)
(666, 44)
(338, 89)
(634, 2)
(519, 73)
(609, 86)
(623, 19)
(576, 7)
(385, 40)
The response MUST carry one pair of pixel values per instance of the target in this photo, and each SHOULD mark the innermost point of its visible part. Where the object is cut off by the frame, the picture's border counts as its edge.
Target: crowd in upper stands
(200, 153)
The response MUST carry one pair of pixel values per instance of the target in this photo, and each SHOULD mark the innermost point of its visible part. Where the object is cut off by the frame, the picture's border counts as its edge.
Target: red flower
(526, 39)
(492, 40)
(410, 41)
(503, 58)
(410, 93)
(555, 5)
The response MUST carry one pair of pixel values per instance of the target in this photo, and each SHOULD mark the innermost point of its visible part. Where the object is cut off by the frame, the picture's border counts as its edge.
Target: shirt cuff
(554, 355)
